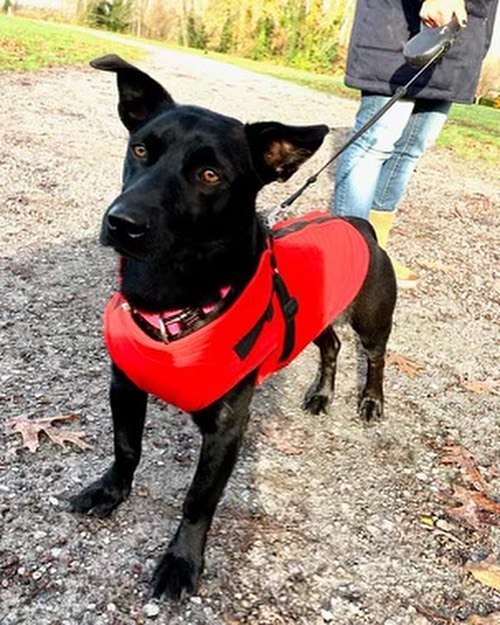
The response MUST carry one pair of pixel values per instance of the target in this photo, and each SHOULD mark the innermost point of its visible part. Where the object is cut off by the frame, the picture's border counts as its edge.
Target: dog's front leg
(128, 408)
(222, 425)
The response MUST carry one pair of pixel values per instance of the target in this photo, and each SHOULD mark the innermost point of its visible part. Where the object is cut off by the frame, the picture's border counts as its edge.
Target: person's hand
(441, 12)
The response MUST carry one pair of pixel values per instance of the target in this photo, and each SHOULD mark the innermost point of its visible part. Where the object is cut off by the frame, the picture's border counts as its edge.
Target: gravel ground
(322, 520)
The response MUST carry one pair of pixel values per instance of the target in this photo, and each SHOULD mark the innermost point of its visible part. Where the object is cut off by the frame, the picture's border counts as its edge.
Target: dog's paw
(176, 576)
(317, 403)
(99, 499)
(371, 409)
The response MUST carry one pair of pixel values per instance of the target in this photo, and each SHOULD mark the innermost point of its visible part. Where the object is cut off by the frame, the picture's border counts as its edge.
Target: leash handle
(420, 48)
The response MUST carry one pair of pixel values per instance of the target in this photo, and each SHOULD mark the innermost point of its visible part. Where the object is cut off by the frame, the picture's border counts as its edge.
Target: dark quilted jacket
(382, 27)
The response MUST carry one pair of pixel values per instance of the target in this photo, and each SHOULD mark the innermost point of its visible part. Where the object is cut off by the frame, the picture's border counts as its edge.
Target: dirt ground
(325, 520)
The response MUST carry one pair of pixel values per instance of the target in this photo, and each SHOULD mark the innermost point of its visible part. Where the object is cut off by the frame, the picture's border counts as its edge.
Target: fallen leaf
(427, 521)
(483, 502)
(437, 266)
(490, 619)
(469, 513)
(476, 386)
(475, 508)
(434, 618)
(67, 436)
(453, 453)
(487, 572)
(30, 430)
(408, 366)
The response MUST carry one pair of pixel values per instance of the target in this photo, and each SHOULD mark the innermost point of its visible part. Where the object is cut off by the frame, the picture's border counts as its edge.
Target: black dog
(187, 230)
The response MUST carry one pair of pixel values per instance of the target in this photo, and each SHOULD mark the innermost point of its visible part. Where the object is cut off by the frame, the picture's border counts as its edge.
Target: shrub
(114, 15)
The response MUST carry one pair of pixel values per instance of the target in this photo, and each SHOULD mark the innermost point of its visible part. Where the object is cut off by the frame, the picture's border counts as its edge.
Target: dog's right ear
(141, 97)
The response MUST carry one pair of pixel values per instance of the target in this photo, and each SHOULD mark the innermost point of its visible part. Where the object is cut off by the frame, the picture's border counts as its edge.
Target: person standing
(373, 173)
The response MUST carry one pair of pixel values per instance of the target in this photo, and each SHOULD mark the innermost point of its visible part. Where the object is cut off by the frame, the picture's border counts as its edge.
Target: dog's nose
(123, 222)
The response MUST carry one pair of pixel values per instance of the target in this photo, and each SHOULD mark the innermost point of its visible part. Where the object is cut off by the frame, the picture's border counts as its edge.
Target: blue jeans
(375, 170)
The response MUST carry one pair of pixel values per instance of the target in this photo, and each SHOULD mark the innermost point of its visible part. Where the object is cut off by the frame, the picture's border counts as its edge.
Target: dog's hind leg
(222, 425)
(371, 319)
(371, 402)
(128, 408)
(320, 394)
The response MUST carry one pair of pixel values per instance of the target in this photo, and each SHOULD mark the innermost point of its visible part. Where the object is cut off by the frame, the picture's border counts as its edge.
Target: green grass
(470, 133)
(31, 45)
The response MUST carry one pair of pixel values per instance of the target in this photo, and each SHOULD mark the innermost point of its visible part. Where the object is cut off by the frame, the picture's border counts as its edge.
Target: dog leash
(422, 50)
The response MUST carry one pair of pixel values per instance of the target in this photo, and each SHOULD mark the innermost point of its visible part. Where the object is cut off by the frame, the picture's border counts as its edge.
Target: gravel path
(322, 521)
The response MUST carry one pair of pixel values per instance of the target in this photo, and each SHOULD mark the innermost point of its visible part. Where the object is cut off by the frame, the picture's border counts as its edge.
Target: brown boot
(382, 223)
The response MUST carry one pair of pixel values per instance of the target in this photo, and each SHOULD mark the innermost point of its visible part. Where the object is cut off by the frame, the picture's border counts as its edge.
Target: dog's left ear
(279, 150)
(141, 97)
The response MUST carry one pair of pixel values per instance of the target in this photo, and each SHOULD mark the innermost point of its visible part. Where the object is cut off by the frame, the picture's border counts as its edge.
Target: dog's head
(190, 172)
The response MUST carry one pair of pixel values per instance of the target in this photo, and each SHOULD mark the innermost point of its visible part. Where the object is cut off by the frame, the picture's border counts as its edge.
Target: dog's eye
(139, 150)
(209, 176)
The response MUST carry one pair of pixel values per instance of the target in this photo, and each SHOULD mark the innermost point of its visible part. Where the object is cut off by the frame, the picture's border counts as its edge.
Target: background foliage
(303, 34)
(309, 34)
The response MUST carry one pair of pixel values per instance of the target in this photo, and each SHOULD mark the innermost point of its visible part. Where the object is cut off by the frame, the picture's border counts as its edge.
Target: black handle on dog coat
(244, 346)
(289, 307)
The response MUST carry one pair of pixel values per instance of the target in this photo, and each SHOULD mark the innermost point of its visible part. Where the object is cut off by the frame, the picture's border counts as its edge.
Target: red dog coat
(313, 268)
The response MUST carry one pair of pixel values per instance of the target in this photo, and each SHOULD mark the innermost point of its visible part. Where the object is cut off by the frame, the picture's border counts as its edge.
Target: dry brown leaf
(434, 618)
(437, 266)
(408, 366)
(67, 436)
(487, 572)
(454, 453)
(475, 508)
(467, 511)
(490, 619)
(30, 430)
(483, 502)
(476, 386)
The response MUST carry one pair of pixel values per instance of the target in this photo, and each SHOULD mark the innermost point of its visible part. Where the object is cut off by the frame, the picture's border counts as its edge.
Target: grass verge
(471, 132)
(31, 45)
